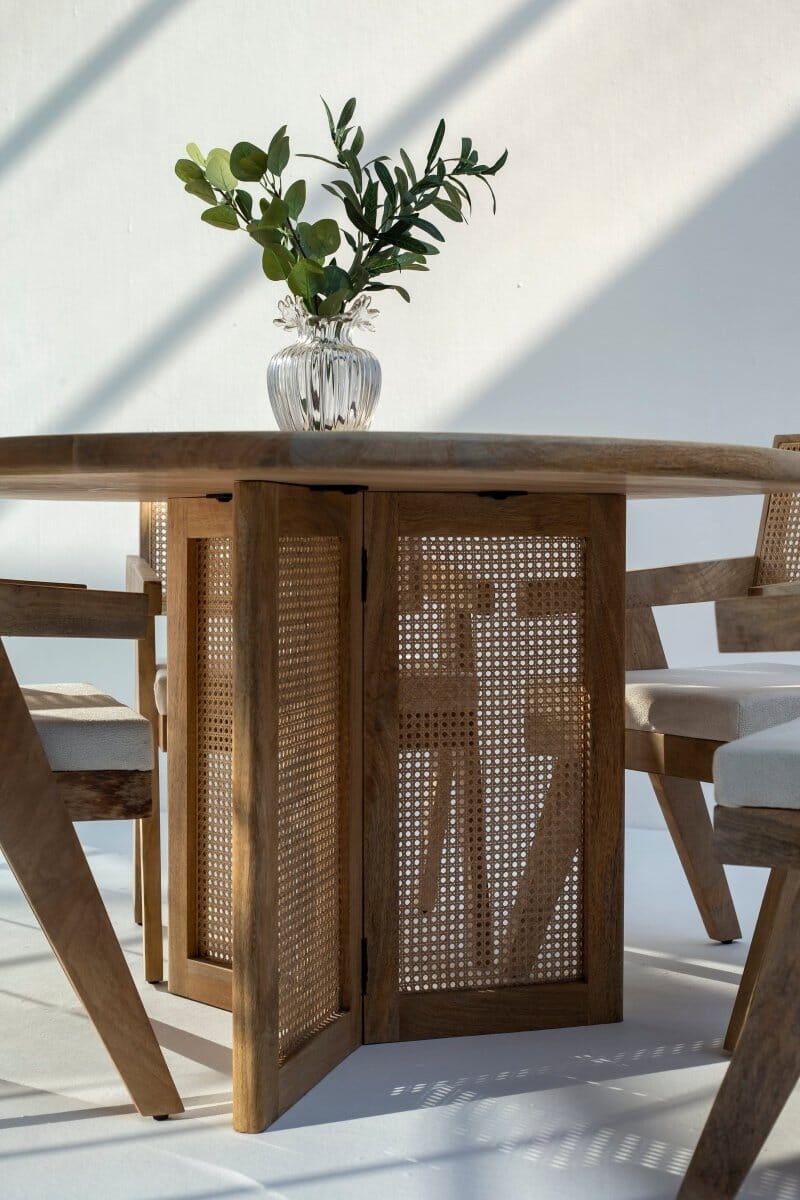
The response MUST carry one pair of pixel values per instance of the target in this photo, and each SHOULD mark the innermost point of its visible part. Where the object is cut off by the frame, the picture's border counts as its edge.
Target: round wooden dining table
(396, 724)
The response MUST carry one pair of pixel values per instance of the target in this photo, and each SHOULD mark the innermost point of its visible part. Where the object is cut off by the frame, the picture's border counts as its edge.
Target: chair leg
(137, 873)
(763, 1071)
(150, 875)
(684, 807)
(42, 849)
(755, 957)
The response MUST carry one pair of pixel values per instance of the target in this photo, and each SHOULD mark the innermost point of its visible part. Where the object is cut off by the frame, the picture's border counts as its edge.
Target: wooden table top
(147, 466)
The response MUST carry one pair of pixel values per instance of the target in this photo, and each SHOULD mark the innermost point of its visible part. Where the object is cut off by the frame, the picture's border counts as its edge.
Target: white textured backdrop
(640, 278)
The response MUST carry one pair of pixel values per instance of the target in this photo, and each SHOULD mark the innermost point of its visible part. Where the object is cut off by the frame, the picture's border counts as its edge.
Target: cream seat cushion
(760, 771)
(83, 729)
(160, 686)
(720, 703)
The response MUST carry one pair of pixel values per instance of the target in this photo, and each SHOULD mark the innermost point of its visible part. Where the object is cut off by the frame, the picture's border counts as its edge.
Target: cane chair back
(153, 541)
(778, 549)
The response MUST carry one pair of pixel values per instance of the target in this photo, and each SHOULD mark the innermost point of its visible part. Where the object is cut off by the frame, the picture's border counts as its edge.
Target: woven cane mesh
(155, 552)
(493, 737)
(214, 717)
(310, 832)
(779, 551)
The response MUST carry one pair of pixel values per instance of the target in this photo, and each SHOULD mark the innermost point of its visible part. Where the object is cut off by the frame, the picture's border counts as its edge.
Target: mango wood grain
(758, 837)
(141, 466)
(755, 957)
(42, 849)
(106, 795)
(763, 1071)
(689, 583)
(41, 610)
(667, 754)
(768, 623)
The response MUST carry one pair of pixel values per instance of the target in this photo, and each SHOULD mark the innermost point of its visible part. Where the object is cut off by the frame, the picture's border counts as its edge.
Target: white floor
(606, 1112)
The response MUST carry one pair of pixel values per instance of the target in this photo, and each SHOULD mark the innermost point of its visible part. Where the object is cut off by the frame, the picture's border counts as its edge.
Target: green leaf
(389, 287)
(346, 113)
(333, 304)
(277, 262)
(220, 215)
(428, 228)
(448, 209)
(402, 181)
(351, 241)
(265, 235)
(186, 170)
(501, 162)
(201, 188)
(295, 198)
(218, 171)
(245, 202)
(453, 195)
(194, 153)
(388, 183)
(409, 166)
(466, 149)
(436, 143)
(406, 242)
(336, 280)
(320, 239)
(278, 155)
(357, 144)
(305, 278)
(351, 162)
(248, 162)
(319, 158)
(491, 191)
(347, 190)
(370, 202)
(329, 115)
(357, 219)
(274, 213)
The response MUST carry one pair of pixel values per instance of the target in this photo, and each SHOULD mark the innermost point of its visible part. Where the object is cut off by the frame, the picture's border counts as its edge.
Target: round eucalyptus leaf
(218, 171)
(277, 262)
(194, 153)
(248, 162)
(201, 188)
(295, 198)
(221, 216)
(187, 170)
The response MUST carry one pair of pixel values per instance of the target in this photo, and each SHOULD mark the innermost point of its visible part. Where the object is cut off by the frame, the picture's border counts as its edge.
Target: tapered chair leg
(137, 873)
(42, 849)
(763, 1071)
(755, 957)
(684, 807)
(150, 876)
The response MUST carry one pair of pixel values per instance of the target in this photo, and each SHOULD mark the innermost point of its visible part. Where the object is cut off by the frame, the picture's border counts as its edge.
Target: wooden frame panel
(395, 1014)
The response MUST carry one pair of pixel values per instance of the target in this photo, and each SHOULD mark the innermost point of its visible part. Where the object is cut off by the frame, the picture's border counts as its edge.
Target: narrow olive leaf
(330, 161)
(347, 190)
(201, 188)
(428, 228)
(466, 149)
(409, 166)
(332, 305)
(351, 162)
(402, 181)
(388, 183)
(447, 209)
(406, 242)
(346, 113)
(483, 179)
(277, 262)
(278, 156)
(295, 197)
(357, 219)
(194, 153)
(357, 144)
(453, 195)
(248, 162)
(222, 216)
(436, 143)
(186, 170)
(245, 202)
(351, 241)
(389, 287)
(274, 213)
(459, 186)
(329, 115)
(501, 162)
(370, 208)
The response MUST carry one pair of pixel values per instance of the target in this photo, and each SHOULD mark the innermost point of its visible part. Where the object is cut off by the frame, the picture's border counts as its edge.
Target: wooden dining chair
(69, 752)
(677, 718)
(757, 823)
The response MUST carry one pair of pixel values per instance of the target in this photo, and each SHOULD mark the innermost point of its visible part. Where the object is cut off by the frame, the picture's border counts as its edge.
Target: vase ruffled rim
(294, 315)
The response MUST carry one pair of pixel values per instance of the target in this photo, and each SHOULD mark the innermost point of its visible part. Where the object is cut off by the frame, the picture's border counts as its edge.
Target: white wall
(640, 278)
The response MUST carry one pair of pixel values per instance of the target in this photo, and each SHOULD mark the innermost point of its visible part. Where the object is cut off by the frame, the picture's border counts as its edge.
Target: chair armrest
(140, 577)
(39, 610)
(758, 623)
(689, 583)
(47, 583)
(776, 589)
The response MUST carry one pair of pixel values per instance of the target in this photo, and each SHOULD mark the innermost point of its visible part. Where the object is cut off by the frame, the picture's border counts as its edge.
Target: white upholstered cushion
(760, 771)
(160, 686)
(720, 703)
(83, 729)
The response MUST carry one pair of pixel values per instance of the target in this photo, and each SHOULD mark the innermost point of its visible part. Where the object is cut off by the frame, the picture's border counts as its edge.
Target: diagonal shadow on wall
(56, 104)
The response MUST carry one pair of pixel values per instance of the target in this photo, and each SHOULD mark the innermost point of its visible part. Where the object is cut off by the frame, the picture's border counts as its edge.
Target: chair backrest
(153, 541)
(778, 548)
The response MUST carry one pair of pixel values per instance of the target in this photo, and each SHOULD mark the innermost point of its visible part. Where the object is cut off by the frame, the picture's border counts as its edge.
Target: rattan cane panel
(779, 552)
(310, 820)
(156, 551)
(214, 725)
(490, 818)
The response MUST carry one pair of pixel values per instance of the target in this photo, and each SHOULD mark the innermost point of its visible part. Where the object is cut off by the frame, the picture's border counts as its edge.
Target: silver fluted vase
(323, 381)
